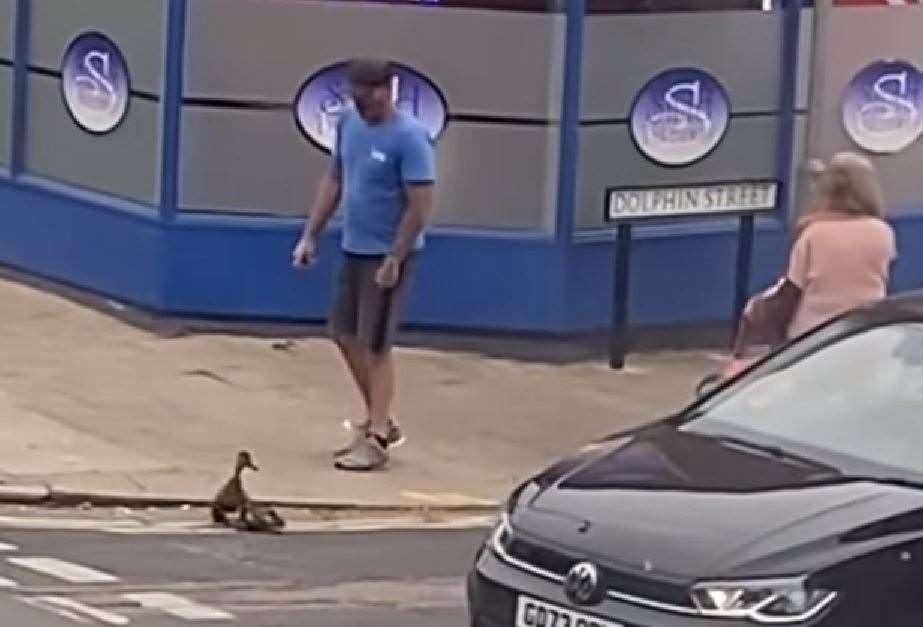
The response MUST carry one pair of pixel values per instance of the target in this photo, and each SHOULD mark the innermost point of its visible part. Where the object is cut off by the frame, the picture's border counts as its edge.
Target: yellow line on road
(445, 498)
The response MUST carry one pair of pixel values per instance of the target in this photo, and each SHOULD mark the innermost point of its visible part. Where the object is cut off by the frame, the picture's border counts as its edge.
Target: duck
(233, 498)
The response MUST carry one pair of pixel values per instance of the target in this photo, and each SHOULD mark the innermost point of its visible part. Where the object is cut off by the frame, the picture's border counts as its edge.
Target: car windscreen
(857, 398)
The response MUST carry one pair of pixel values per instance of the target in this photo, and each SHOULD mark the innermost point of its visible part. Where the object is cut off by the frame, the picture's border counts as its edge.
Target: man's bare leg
(381, 391)
(355, 357)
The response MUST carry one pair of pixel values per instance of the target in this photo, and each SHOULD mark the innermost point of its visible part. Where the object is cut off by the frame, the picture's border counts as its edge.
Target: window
(859, 398)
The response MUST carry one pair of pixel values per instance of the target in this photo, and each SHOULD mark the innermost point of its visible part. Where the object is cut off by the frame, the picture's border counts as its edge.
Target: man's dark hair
(369, 72)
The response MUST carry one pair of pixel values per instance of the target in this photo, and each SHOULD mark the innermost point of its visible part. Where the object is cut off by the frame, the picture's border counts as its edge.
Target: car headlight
(769, 601)
(501, 536)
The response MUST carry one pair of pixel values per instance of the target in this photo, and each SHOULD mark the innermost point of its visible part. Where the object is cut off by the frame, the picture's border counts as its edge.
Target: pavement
(57, 579)
(94, 406)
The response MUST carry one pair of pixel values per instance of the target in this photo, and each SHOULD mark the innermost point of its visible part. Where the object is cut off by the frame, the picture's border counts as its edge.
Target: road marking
(64, 524)
(76, 607)
(447, 522)
(178, 587)
(60, 569)
(8, 548)
(446, 498)
(55, 610)
(173, 527)
(391, 524)
(175, 605)
(8, 583)
(431, 593)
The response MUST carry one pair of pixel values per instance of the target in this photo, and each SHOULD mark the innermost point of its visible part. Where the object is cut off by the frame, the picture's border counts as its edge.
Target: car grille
(620, 583)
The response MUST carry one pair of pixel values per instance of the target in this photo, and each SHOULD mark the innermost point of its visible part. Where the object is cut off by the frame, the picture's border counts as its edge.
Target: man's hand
(325, 204)
(304, 253)
(389, 273)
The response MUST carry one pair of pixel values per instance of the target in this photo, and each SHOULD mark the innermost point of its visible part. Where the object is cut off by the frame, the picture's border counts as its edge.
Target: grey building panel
(623, 52)
(246, 161)
(123, 163)
(848, 40)
(243, 161)
(799, 191)
(608, 158)
(805, 60)
(7, 29)
(495, 176)
(6, 114)
(486, 62)
(136, 27)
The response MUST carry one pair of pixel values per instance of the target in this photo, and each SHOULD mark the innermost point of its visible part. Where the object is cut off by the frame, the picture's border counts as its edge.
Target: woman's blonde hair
(850, 184)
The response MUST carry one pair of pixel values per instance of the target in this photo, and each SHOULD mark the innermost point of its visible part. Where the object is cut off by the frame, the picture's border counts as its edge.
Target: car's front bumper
(494, 586)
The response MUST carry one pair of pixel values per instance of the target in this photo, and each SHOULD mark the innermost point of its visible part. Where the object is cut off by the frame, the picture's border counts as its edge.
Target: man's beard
(360, 108)
(366, 111)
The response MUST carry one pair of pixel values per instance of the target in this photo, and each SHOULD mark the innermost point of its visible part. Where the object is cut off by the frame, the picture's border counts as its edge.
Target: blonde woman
(841, 259)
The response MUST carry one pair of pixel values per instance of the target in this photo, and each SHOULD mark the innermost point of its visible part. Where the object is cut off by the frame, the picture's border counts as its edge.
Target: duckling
(261, 519)
(232, 497)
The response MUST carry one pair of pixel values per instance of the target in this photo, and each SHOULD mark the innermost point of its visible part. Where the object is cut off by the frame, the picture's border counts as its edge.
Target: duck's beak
(253, 466)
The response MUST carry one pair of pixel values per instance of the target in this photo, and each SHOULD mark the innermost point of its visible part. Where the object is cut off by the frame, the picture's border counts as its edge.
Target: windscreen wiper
(773, 451)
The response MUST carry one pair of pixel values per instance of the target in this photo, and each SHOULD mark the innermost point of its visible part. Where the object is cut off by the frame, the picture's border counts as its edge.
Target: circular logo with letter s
(324, 97)
(883, 107)
(95, 83)
(680, 116)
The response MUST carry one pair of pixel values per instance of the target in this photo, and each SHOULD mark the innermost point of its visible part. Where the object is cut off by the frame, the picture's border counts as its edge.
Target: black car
(791, 495)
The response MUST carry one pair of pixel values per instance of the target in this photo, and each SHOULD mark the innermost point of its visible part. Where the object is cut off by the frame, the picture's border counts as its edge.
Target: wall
(6, 110)
(495, 261)
(682, 271)
(847, 41)
(124, 163)
(82, 239)
(741, 49)
(242, 152)
(7, 16)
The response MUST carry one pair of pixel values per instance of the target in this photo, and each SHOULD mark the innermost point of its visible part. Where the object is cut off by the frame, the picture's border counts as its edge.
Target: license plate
(533, 613)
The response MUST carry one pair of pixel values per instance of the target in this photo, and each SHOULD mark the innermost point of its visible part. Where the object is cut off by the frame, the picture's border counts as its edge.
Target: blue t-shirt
(375, 165)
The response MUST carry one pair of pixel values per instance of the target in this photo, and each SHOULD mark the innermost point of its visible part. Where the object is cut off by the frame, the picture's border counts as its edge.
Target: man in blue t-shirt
(381, 175)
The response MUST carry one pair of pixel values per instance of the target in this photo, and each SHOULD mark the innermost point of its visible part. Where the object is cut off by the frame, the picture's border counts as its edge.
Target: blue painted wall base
(226, 267)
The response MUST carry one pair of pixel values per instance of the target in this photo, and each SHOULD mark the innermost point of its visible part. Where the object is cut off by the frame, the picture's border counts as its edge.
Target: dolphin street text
(747, 196)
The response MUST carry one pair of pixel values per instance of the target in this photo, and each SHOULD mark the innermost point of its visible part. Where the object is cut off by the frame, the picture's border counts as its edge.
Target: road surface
(62, 578)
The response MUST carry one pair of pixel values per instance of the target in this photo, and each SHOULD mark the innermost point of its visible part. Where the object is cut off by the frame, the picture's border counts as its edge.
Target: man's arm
(328, 191)
(418, 172)
(416, 216)
(415, 219)
(325, 204)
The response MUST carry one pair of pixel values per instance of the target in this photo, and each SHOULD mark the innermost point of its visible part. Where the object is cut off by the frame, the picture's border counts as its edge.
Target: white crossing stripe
(60, 569)
(76, 607)
(63, 524)
(175, 605)
(8, 583)
(201, 528)
(56, 610)
(8, 548)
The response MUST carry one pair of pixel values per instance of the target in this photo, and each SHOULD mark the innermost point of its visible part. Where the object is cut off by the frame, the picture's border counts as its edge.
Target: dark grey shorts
(363, 310)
